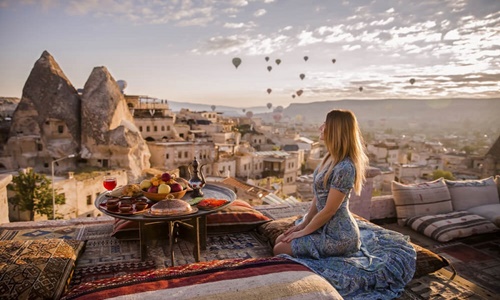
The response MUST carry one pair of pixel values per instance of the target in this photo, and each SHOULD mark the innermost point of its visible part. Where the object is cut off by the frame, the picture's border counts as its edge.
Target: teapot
(196, 182)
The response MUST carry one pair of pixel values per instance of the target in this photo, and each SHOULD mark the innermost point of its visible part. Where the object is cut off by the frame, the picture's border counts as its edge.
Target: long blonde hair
(343, 138)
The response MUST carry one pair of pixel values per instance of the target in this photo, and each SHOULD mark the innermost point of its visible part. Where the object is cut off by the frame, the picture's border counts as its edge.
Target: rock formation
(109, 135)
(46, 123)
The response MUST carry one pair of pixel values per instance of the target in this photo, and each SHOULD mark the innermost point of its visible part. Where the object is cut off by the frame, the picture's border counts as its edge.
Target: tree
(34, 194)
(440, 173)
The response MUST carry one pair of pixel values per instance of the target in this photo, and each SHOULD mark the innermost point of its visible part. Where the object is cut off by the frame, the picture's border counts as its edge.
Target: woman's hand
(294, 228)
(293, 235)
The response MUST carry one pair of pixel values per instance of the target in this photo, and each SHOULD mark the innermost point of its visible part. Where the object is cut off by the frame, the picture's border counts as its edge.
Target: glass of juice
(109, 183)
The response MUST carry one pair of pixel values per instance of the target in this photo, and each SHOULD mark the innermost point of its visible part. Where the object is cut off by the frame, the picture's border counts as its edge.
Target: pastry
(170, 207)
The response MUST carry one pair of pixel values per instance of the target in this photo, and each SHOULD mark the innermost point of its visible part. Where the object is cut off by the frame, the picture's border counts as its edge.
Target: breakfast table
(194, 222)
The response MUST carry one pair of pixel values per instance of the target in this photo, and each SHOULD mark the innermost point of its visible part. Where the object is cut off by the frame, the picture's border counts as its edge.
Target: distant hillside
(390, 111)
(404, 109)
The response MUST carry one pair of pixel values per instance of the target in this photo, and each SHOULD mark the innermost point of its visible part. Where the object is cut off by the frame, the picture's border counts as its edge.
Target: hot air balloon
(269, 68)
(267, 58)
(249, 114)
(412, 81)
(269, 91)
(236, 62)
(269, 105)
(299, 92)
(244, 110)
(279, 108)
(212, 107)
(334, 60)
(278, 61)
(293, 96)
(360, 88)
(302, 76)
(306, 58)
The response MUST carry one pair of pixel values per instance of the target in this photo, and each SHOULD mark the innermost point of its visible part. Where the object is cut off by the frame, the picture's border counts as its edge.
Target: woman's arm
(313, 210)
(333, 202)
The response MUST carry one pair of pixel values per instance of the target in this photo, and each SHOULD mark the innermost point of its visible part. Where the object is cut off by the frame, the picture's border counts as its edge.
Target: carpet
(67, 233)
(477, 260)
(436, 286)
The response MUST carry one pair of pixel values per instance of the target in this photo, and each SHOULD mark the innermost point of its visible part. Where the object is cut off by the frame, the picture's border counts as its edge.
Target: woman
(329, 229)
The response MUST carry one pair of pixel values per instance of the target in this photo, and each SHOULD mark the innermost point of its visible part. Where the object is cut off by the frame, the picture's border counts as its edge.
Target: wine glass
(109, 183)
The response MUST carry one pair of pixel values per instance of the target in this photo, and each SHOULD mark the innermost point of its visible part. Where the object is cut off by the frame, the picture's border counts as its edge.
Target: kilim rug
(436, 286)
(476, 260)
(67, 232)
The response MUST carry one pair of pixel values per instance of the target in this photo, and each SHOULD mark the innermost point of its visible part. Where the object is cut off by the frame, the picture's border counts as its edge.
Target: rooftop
(106, 256)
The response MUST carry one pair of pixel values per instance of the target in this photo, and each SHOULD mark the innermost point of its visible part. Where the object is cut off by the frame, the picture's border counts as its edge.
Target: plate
(128, 200)
(209, 204)
(132, 212)
(184, 213)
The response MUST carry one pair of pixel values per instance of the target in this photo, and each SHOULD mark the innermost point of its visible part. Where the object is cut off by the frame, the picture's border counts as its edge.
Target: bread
(170, 207)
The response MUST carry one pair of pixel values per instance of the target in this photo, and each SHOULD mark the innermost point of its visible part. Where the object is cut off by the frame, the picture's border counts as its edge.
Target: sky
(183, 50)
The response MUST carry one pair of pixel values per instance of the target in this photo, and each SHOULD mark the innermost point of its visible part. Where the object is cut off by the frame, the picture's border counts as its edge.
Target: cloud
(249, 45)
(306, 38)
(259, 13)
(239, 25)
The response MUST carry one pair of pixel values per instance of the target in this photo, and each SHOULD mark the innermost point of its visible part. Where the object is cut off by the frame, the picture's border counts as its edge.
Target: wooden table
(194, 223)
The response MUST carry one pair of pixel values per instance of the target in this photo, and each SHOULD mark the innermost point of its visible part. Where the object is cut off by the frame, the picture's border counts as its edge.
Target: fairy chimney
(46, 123)
(109, 135)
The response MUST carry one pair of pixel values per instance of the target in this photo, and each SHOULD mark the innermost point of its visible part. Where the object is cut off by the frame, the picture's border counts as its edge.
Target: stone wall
(5, 179)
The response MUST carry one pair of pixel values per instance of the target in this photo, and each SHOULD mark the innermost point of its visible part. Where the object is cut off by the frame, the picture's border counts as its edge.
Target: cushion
(489, 211)
(37, 269)
(470, 193)
(271, 230)
(125, 229)
(450, 226)
(242, 279)
(428, 261)
(239, 216)
(428, 198)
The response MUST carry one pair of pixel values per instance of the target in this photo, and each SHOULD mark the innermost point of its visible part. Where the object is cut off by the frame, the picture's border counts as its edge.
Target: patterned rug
(67, 232)
(106, 256)
(476, 260)
(436, 287)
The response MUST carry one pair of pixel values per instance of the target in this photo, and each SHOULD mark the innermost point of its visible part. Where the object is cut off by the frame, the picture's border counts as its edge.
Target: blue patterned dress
(340, 235)
(361, 260)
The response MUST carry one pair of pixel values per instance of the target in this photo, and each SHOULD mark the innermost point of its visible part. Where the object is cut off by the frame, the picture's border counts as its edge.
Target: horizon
(183, 52)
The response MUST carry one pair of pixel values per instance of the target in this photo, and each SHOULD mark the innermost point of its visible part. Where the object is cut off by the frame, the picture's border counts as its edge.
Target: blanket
(242, 279)
(380, 270)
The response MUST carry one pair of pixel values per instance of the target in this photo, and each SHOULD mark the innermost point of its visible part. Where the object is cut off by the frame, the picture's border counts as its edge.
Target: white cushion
(454, 225)
(466, 194)
(428, 198)
(488, 211)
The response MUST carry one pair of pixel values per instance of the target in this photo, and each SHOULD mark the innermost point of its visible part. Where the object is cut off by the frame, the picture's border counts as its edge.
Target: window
(168, 128)
(185, 154)
(179, 154)
(39, 147)
(140, 128)
(155, 128)
(162, 128)
(89, 199)
(167, 156)
(147, 129)
(60, 129)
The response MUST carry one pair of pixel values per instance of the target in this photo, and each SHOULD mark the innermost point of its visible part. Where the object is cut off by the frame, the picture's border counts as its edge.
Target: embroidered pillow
(489, 211)
(239, 216)
(466, 194)
(37, 269)
(419, 199)
(446, 227)
(271, 230)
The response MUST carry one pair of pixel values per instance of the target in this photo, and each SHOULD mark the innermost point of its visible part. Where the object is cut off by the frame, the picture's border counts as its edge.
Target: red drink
(109, 183)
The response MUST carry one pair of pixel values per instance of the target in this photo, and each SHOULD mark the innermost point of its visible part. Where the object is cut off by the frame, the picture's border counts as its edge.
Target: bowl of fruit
(163, 186)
